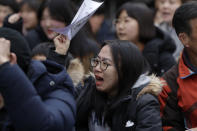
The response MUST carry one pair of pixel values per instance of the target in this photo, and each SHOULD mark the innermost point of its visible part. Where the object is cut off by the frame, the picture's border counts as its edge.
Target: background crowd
(131, 67)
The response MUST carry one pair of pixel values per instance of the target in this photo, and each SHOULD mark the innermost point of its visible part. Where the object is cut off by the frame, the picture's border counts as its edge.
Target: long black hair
(130, 64)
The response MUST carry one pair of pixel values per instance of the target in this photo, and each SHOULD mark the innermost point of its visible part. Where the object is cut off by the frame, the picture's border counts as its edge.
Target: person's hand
(14, 18)
(62, 44)
(192, 129)
(4, 51)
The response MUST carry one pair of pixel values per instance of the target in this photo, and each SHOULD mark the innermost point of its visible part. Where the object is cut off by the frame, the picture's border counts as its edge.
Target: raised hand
(62, 43)
(4, 50)
(14, 18)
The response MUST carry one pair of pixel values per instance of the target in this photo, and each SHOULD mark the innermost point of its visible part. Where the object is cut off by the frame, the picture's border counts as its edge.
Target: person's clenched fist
(4, 50)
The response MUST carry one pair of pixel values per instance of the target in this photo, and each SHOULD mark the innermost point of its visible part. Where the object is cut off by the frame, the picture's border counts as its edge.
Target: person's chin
(100, 88)
(51, 36)
(167, 18)
(123, 38)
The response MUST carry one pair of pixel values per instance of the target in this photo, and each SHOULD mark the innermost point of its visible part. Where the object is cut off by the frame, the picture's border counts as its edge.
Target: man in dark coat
(44, 100)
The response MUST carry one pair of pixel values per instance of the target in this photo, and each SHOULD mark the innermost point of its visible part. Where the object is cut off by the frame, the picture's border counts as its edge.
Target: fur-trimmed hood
(153, 85)
(76, 71)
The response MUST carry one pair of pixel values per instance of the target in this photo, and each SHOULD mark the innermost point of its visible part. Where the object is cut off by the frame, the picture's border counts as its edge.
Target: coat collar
(145, 84)
(142, 80)
(184, 70)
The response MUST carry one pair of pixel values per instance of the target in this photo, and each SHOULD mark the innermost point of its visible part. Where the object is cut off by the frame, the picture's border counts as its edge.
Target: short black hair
(144, 16)
(42, 49)
(182, 17)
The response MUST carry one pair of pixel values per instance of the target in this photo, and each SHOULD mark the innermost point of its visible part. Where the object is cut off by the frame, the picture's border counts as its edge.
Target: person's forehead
(105, 53)
(193, 22)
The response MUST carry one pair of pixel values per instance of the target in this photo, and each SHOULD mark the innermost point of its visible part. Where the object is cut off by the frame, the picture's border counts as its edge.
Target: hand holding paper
(62, 44)
(87, 9)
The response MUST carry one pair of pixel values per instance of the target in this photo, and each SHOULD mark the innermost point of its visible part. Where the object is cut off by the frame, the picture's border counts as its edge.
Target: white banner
(87, 9)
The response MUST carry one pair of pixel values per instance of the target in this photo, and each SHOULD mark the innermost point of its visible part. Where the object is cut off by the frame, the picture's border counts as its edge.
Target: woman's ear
(13, 58)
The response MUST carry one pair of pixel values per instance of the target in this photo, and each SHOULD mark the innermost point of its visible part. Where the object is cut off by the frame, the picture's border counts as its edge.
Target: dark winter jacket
(138, 111)
(159, 53)
(59, 58)
(43, 103)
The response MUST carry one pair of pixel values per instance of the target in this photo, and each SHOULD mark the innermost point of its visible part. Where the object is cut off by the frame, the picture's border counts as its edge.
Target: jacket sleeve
(26, 108)
(148, 114)
(172, 118)
(60, 59)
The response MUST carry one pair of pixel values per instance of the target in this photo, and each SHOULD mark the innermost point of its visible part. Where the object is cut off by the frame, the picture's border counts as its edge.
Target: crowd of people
(132, 67)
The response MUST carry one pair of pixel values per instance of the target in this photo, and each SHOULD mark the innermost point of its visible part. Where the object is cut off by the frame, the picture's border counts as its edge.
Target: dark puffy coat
(138, 111)
(159, 53)
(46, 105)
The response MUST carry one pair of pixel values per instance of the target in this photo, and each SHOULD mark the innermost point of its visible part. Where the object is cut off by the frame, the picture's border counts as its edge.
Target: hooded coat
(46, 103)
(159, 53)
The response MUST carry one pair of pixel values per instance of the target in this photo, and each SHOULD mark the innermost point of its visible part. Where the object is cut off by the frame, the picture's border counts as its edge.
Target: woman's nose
(120, 25)
(98, 67)
(48, 22)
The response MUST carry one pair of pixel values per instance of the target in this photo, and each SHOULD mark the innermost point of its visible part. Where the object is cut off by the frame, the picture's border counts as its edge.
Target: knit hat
(19, 46)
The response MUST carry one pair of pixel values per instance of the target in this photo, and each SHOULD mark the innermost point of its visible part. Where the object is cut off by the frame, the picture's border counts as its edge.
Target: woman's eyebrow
(104, 59)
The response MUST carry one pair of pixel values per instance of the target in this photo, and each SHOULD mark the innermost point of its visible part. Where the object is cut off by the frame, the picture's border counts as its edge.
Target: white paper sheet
(87, 9)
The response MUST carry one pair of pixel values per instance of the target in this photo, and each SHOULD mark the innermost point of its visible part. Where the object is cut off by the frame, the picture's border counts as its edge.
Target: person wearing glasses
(122, 96)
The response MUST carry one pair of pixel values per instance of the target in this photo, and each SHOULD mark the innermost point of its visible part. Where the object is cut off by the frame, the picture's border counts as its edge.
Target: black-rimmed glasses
(103, 64)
